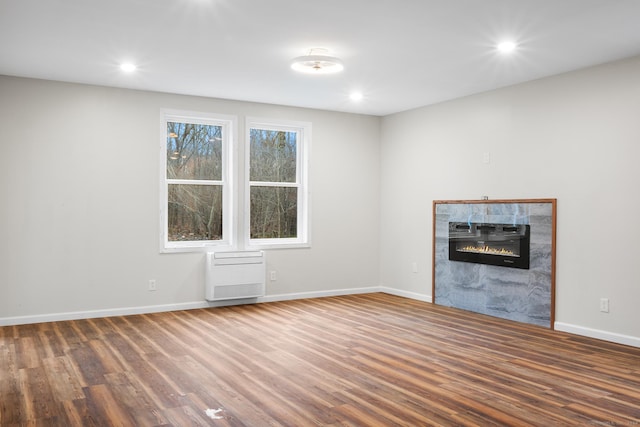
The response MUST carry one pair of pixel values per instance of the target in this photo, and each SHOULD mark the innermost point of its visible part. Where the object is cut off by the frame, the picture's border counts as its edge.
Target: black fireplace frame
(517, 236)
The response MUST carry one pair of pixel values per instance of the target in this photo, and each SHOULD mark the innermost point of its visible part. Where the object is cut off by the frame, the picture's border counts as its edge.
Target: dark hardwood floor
(360, 360)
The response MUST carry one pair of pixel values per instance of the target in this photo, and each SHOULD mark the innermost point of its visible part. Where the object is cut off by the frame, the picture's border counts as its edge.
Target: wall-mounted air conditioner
(235, 275)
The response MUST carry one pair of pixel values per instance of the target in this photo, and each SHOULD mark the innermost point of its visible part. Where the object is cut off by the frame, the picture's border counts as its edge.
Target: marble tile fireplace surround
(496, 257)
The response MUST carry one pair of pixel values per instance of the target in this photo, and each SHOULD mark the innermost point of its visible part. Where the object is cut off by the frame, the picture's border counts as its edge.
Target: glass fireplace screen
(505, 245)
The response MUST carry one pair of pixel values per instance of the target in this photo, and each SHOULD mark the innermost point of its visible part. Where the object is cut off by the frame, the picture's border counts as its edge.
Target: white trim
(260, 244)
(598, 334)
(303, 149)
(229, 124)
(273, 184)
(406, 294)
(126, 311)
(194, 181)
(75, 315)
(55, 317)
(319, 294)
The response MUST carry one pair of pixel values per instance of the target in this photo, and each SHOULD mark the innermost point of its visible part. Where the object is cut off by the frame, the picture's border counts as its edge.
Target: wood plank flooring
(358, 360)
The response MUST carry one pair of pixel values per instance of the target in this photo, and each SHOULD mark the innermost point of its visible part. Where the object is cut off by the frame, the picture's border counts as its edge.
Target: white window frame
(229, 142)
(303, 139)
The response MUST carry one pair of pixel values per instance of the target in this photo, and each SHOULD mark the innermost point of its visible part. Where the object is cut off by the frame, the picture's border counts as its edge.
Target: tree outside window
(194, 153)
(274, 202)
(200, 203)
(195, 203)
(277, 200)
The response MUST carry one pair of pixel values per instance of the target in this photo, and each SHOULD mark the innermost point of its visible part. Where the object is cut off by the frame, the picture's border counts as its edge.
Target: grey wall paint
(80, 200)
(574, 137)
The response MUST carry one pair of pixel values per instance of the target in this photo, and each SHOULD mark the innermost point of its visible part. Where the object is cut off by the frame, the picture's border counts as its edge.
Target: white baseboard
(406, 294)
(596, 333)
(41, 318)
(55, 317)
(319, 294)
(90, 314)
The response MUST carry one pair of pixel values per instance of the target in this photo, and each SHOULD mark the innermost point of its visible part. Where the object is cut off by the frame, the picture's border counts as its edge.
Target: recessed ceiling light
(507, 47)
(318, 61)
(356, 96)
(128, 67)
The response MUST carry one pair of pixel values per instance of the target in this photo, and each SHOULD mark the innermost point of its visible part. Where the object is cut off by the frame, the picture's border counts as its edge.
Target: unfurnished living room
(297, 213)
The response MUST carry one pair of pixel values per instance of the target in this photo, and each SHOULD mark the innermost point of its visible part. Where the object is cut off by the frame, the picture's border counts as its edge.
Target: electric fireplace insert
(505, 245)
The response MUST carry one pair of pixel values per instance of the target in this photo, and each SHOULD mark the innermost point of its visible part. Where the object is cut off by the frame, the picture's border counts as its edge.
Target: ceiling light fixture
(128, 67)
(318, 61)
(356, 96)
(507, 47)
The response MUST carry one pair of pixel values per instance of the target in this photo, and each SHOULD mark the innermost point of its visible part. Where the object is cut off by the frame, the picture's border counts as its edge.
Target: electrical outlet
(152, 285)
(604, 305)
(272, 276)
(414, 267)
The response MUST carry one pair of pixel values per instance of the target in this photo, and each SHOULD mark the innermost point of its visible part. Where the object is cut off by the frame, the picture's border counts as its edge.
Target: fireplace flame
(488, 250)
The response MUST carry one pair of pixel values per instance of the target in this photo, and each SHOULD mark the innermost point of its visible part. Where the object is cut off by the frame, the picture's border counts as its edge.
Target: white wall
(79, 187)
(79, 183)
(574, 137)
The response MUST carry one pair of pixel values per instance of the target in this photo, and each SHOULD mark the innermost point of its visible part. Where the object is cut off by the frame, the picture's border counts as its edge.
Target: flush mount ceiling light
(128, 67)
(318, 61)
(356, 96)
(507, 46)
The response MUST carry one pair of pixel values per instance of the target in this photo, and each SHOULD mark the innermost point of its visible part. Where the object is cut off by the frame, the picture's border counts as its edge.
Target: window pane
(273, 155)
(195, 212)
(274, 212)
(194, 151)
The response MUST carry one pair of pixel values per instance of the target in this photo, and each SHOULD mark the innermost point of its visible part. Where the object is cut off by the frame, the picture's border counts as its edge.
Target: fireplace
(505, 245)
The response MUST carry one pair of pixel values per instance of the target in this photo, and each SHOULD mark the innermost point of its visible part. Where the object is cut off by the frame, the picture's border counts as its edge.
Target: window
(276, 199)
(199, 199)
(197, 193)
